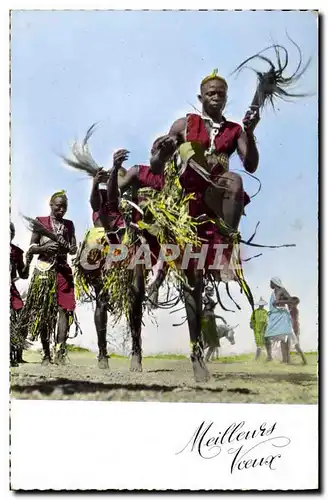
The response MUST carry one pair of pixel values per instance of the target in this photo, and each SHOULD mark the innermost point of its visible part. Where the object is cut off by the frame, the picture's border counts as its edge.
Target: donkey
(212, 345)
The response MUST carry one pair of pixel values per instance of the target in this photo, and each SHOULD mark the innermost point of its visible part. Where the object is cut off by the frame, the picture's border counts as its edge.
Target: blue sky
(135, 73)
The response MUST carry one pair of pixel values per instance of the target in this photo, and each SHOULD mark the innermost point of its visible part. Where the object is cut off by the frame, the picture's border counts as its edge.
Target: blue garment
(279, 321)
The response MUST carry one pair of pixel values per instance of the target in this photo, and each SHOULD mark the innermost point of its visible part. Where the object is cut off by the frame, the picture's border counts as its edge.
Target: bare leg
(285, 351)
(101, 318)
(193, 304)
(62, 333)
(135, 318)
(300, 352)
(227, 200)
(46, 349)
(258, 353)
(288, 350)
(209, 353)
(18, 353)
(155, 286)
(268, 347)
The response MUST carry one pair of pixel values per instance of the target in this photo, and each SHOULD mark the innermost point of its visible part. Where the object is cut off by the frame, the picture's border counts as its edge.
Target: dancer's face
(58, 207)
(213, 97)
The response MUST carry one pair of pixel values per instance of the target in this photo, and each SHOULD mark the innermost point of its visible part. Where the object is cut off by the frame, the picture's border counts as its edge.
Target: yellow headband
(213, 76)
(58, 194)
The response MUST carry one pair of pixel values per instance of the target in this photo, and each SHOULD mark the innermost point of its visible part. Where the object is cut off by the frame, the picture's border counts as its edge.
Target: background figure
(17, 267)
(258, 323)
(211, 332)
(279, 321)
(294, 314)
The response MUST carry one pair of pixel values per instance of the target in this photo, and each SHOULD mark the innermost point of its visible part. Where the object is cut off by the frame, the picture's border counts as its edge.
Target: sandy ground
(233, 380)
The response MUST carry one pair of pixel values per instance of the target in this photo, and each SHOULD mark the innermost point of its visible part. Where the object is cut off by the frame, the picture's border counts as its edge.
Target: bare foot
(201, 373)
(136, 363)
(103, 363)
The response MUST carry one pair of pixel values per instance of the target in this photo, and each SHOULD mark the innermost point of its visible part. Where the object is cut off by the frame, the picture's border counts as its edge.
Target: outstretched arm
(248, 152)
(95, 201)
(119, 183)
(163, 150)
(246, 145)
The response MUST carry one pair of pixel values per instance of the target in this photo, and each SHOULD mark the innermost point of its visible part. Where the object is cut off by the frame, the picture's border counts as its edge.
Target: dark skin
(58, 207)
(101, 314)
(22, 270)
(162, 150)
(95, 196)
(227, 199)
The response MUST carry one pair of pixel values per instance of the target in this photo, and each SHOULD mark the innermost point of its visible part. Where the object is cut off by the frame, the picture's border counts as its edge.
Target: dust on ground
(234, 380)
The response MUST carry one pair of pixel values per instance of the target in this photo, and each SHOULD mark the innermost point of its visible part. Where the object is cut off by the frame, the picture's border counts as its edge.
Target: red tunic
(110, 215)
(147, 179)
(225, 142)
(103, 209)
(192, 182)
(16, 261)
(65, 282)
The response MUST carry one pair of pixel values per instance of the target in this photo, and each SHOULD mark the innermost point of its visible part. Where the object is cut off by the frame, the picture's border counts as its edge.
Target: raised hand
(119, 157)
(251, 119)
(164, 147)
(100, 177)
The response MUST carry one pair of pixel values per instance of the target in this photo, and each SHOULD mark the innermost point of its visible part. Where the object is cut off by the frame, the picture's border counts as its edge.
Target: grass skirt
(17, 339)
(87, 281)
(39, 314)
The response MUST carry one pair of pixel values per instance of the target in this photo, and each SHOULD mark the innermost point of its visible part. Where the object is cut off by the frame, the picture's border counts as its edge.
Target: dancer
(17, 267)
(121, 217)
(104, 215)
(89, 264)
(258, 324)
(142, 180)
(51, 291)
(206, 141)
